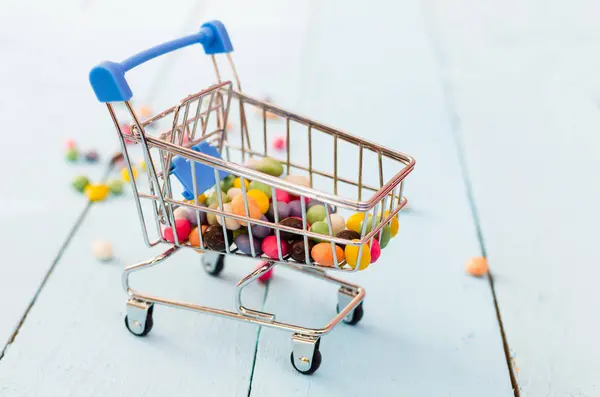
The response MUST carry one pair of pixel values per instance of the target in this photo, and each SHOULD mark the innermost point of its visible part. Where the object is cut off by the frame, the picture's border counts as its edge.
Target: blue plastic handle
(108, 78)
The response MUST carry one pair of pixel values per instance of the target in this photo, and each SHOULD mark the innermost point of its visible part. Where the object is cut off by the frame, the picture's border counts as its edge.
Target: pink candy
(266, 276)
(279, 143)
(70, 144)
(282, 195)
(183, 228)
(375, 251)
(269, 247)
(126, 130)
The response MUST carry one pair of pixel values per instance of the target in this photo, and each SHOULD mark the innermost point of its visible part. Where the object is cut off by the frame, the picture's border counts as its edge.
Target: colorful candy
(194, 237)
(386, 235)
(394, 224)
(227, 183)
(144, 111)
(297, 251)
(295, 208)
(252, 163)
(70, 144)
(261, 199)
(243, 243)
(238, 208)
(262, 187)
(348, 235)
(477, 266)
(91, 156)
(278, 143)
(115, 186)
(320, 227)
(96, 192)
(298, 180)
(234, 191)
(215, 239)
(237, 182)
(316, 213)
(269, 247)
(291, 222)
(125, 174)
(80, 182)
(266, 276)
(323, 254)
(261, 231)
(338, 223)
(355, 222)
(214, 198)
(270, 166)
(351, 252)
(102, 250)
(230, 223)
(283, 211)
(182, 228)
(282, 196)
(126, 131)
(71, 154)
(375, 251)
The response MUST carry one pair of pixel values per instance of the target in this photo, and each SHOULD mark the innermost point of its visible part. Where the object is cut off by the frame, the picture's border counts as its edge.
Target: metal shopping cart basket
(190, 154)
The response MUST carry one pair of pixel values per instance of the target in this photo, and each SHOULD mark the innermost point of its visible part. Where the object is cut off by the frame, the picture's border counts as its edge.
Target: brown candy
(297, 251)
(215, 239)
(291, 222)
(348, 235)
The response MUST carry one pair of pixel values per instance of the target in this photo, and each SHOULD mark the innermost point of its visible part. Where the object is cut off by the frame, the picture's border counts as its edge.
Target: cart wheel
(141, 329)
(213, 265)
(314, 365)
(355, 315)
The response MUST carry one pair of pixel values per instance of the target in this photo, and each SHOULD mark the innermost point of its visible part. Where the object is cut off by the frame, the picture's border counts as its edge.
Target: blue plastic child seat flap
(205, 175)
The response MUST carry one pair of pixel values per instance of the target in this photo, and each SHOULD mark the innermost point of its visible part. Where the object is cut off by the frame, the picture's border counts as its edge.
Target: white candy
(252, 164)
(337, 223)
(102, 250)
(230, 223)
(186, 213)
(298, 180)
(234, 191)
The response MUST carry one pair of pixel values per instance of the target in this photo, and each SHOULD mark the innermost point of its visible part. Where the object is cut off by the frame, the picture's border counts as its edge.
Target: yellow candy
(238, 183)
(125, 174)
(261, 199)
(355, 222)
(201, 199)
(394, 224)
(351, 252)
(142, 166)
(96, 192)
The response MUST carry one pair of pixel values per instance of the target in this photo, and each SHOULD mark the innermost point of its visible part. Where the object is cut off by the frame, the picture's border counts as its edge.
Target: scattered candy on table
(91, 156)
(279, 143)
(80, 182)
(115, 186)
(102, 250)
(126, 131)
(125, 174)
(267, 275)
(96, 192)
(70, 144)
(477, 266)
(142, 166)
(71, 154)
(144, 111)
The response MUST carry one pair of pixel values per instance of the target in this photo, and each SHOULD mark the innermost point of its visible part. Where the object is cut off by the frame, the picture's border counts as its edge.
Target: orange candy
(237, 207)
(477, 266)
(194, 237)
(323, 254)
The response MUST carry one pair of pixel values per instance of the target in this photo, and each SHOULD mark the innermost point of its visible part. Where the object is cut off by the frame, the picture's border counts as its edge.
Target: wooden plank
(525, 88)
(44, 79)
(428, 328)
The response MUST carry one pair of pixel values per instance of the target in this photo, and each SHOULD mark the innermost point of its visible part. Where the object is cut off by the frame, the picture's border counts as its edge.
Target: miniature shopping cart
(189, 150)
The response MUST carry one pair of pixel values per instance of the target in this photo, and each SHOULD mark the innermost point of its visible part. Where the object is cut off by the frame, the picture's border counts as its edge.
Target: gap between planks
(455, 127)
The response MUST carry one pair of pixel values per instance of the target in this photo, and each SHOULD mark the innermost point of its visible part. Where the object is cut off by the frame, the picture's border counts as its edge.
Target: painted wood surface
(523, 80)
(428, 329)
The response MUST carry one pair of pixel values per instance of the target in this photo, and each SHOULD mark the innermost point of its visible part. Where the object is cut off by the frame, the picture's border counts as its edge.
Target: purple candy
(295, 209)
(243, 243)
(282, 208)
(261, 231)
(192, 215)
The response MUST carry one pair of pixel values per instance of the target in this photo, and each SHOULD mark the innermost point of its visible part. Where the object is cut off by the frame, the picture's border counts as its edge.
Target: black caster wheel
(356, 315)
(147, 327)
(314, 365)
(214, 268)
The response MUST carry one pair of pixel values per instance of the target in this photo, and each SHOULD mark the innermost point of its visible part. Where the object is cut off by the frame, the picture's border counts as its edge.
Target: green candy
(115, 186)
(369, 224)
(241, 230)
(386, 235)
(227, 183)
(213, 199)
(72, 155)
(80, 182)
(321, 228)
(260, 186)
(212, 218)
(316, 213)
(270, 166)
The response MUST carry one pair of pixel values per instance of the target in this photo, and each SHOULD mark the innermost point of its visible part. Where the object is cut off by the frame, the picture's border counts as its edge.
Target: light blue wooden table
(496, 101)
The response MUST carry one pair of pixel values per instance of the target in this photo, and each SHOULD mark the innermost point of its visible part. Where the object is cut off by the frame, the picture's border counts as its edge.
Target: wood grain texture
(48, 50)
(525, 86)
(428, 328)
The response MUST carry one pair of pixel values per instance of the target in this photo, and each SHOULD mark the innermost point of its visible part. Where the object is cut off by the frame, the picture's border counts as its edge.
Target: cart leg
(305, 357)
(345, 297)
(139, 317)
(243, 283)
